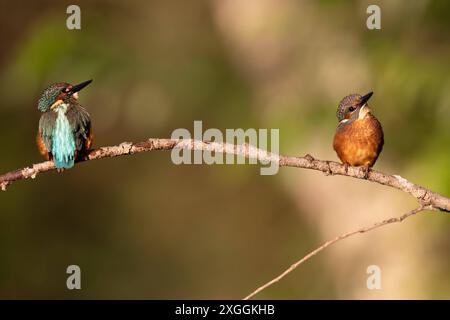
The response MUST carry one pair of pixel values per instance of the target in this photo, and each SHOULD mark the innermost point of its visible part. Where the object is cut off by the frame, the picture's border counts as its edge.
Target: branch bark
(424, 196)
(427, 199)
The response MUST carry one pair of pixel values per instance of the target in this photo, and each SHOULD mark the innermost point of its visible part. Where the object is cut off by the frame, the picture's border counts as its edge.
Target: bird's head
(59, 93)
(352, 107)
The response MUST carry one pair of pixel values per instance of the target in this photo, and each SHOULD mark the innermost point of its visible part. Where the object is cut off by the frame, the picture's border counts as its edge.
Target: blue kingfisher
(65, 126)
(359, 137)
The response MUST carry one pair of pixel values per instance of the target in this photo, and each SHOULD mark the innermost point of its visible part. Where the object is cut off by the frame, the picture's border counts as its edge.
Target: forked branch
(424, 196)
(427, 199)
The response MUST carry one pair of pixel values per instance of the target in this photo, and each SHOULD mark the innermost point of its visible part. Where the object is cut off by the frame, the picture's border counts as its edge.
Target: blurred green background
(142, 227)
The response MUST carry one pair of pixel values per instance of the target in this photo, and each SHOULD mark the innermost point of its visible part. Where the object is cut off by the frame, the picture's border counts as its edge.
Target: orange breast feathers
(41, 146)
(88, 142)
(360, 142)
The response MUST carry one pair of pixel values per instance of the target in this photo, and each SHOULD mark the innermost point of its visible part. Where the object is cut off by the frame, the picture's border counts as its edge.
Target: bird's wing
(80, 122)
(46, 126)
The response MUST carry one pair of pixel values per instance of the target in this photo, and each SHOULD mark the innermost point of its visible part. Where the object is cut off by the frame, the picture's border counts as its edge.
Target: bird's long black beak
(365, 98)
(80, 86)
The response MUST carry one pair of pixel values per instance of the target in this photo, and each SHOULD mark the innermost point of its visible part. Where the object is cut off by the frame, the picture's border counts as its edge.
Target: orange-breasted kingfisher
(65, 132)
(359, 137)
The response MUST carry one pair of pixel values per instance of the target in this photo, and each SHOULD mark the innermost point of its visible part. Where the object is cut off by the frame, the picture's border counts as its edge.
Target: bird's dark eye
(351, 109)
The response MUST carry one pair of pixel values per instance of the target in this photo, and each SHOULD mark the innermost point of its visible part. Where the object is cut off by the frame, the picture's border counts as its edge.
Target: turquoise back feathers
(64, 127)
(63, 140)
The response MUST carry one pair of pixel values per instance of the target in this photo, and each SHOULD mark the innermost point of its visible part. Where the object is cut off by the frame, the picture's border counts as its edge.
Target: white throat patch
(363, 111)
(361, 115)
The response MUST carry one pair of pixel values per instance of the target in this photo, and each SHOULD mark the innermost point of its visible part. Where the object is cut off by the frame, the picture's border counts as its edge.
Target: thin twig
(333, 241)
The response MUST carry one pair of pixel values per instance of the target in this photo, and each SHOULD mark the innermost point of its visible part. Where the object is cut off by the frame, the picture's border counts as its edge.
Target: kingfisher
(65, 126)
(359, 136)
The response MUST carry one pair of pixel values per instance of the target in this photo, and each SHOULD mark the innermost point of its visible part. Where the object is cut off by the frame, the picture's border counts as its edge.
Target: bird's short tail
(63, 161)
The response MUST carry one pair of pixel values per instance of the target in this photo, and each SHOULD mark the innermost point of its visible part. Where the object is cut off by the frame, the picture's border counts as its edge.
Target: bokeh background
(142, 227)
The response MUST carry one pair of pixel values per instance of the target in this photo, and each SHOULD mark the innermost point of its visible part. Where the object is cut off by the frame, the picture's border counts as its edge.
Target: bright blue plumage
(65, 126)
(63, 144)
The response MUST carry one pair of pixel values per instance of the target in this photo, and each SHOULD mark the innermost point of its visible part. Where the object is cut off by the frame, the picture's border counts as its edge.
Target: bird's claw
(366, 171)
(328, 172)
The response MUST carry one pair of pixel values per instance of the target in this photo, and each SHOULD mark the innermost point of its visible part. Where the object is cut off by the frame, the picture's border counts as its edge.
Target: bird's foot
(309, 157)
(59, 170)
(365, 171)
(346, 167)
(328, 172)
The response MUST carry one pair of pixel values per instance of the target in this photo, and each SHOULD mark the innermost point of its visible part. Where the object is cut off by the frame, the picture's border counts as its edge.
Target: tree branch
(424, 196)
(428, 200)
(333, 241)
